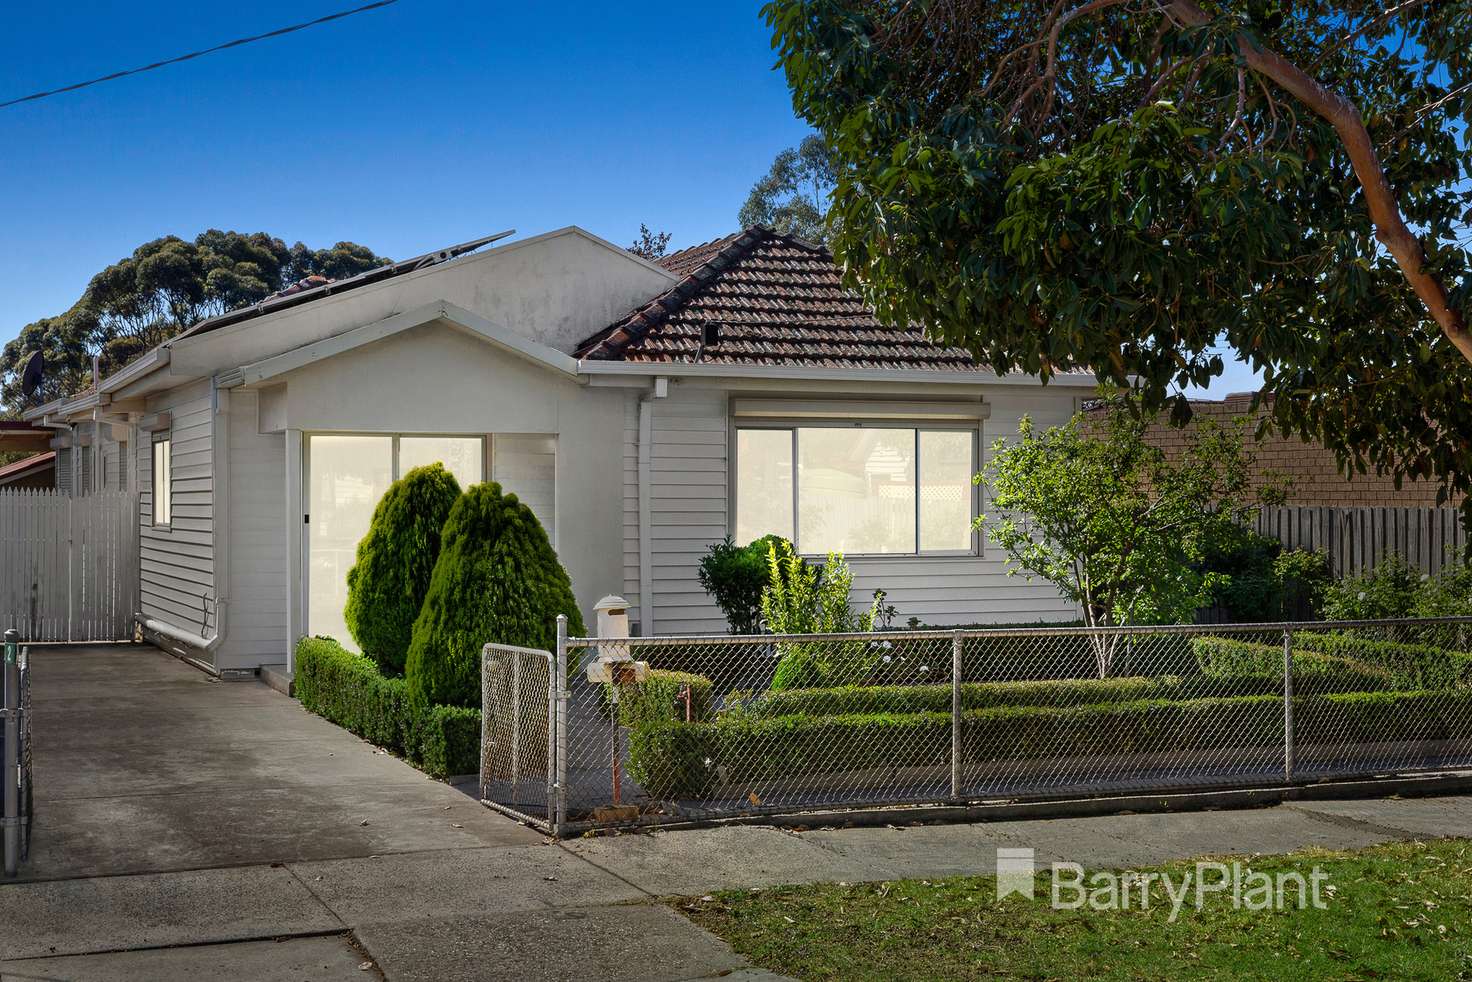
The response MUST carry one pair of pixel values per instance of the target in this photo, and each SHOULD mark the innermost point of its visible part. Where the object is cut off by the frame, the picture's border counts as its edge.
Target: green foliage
(1120, 190)
(1257, 581)
(660, 698)
(1242, 561)
(1120, 528)
(1225, 660)
(348, 690)
(387, 583)
(672, 760)
(735, 577)
(1389, 589)
(803, 599)
(496, 579)
(793, 197)
(1410, 666)
(749, 751)
(165, 286)
(449, 740)
(1252, 677)
(1302, 578)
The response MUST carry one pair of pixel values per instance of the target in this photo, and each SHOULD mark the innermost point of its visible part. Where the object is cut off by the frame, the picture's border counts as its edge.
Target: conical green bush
(390, 577)
(497, 579)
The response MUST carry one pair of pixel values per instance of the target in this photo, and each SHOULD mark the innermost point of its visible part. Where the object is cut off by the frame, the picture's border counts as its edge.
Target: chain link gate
(518, 702)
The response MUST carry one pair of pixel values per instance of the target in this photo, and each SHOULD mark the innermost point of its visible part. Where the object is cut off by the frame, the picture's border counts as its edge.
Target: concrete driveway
(195, 829)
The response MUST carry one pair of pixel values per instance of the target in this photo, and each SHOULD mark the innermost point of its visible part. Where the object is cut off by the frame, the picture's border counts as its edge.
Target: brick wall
(1315, 480)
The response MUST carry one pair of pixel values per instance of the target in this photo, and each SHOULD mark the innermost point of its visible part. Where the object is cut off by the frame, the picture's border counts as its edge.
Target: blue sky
(407, 128)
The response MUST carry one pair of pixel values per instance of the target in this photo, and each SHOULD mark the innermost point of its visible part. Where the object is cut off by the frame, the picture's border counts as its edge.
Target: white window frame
(161, 496)
(916, 425)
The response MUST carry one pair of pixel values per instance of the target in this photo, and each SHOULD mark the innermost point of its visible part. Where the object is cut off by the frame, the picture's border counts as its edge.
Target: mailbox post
(615, 667)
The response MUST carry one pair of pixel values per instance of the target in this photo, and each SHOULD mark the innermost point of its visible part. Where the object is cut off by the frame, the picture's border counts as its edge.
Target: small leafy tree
(387, 583)
(1114, 523)
(497, 579)
(649, 245)
(735, 577)
(804, 599)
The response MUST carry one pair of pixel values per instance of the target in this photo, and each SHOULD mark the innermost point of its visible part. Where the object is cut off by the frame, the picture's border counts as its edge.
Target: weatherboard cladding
(760, 298)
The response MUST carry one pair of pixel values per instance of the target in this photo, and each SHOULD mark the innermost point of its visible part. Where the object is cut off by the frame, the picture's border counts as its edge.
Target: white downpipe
(220, 533)
(646, 508)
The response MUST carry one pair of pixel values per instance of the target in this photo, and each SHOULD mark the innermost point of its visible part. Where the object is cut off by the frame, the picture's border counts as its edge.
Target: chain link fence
(723, 726)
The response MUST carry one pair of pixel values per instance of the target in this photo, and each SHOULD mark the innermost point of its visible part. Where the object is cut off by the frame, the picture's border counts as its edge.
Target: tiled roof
(760, 298)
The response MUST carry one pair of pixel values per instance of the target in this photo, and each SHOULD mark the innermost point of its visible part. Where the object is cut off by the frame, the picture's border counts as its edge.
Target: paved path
(199, 830)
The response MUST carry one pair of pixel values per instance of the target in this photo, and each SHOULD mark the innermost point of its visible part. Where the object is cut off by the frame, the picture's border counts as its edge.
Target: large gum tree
(1127, 185)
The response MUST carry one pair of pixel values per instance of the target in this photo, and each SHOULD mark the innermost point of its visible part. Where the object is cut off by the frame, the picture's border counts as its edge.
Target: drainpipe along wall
(203, 647)
(658, 390)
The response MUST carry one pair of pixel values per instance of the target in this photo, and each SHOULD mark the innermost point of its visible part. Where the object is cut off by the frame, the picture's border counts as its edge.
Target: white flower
(924, 669)
(707, 762)
(886, 659)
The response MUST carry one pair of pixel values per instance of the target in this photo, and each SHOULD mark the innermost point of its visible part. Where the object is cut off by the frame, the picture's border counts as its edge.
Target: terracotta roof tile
(760, 298)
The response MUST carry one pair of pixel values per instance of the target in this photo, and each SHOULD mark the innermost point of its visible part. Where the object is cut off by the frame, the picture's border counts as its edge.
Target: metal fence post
(560, 670)
(1288, 705)
(957, 644)
(12, 752)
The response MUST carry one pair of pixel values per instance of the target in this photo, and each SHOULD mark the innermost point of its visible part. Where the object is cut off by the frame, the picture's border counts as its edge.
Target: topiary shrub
(497, 579)
(387, 583)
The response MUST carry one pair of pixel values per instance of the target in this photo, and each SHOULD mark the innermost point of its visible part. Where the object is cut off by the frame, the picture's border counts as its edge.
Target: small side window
(163, 483)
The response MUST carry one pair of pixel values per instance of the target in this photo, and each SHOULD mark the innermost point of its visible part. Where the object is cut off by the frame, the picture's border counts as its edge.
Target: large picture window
(858, 489)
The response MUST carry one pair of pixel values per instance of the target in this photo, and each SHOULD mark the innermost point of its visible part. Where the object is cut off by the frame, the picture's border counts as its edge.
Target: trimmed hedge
(497, 579)
(684, 760)
(1313, 671)
(349, 690)
(1411, 666)
(390, 575)
(658, 698)
(1065, 692)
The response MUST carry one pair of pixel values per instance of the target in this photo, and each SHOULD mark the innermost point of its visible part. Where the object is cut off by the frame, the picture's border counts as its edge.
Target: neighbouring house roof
(26, 467)
(761, 298)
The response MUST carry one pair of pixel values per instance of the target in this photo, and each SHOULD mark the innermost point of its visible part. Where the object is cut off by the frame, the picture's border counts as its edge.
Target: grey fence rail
(15, 754)
(724, 726)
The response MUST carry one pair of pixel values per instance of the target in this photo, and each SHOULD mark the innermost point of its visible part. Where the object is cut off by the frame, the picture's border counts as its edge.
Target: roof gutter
(798, 373)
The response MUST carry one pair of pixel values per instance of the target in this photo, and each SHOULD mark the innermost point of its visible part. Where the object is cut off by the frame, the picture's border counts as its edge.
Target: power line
(206, 51)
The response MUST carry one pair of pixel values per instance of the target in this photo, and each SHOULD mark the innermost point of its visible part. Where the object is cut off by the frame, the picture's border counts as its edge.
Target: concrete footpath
(198, 830)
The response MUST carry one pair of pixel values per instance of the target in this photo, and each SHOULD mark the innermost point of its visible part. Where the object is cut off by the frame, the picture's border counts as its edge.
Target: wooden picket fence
(1356, 539)
(68, 566)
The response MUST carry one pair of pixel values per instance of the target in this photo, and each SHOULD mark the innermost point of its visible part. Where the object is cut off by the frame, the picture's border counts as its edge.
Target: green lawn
(1399, 911)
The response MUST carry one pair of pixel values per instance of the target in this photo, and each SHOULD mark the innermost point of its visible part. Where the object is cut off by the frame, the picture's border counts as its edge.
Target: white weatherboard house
(643, 410)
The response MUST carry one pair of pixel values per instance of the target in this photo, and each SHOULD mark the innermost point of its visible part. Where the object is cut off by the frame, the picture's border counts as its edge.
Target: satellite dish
(30, 377)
